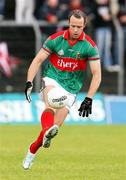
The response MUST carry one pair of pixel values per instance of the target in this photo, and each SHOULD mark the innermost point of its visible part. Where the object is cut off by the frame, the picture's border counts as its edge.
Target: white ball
(57, 98)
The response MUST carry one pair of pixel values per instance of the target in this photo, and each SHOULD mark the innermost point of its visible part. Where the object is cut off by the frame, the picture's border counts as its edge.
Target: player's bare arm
(32, 71)
(95, 67)
(86, 106)
(36, 63)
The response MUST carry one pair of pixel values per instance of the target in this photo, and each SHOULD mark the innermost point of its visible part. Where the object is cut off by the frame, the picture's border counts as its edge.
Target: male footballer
(70, 51)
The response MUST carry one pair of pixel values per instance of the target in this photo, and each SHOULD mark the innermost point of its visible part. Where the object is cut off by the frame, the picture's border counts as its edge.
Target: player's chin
(76, 36)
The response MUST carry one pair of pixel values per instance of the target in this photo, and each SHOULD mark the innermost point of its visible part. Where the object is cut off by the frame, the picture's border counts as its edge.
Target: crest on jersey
(61, 52)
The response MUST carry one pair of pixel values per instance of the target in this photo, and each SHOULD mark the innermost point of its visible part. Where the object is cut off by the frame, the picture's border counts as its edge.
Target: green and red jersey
(68, 62)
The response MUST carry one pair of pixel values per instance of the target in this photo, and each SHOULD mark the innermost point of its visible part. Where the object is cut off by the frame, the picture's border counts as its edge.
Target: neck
(72, 39)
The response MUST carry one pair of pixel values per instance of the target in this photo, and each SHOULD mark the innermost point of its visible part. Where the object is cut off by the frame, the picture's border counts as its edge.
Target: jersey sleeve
(93, 53)
(48, 45)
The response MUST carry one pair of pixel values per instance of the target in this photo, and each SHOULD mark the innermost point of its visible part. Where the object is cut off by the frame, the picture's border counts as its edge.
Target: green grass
(77, 153)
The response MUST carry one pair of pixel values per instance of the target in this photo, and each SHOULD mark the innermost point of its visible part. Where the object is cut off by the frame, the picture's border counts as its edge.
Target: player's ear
(85, 21)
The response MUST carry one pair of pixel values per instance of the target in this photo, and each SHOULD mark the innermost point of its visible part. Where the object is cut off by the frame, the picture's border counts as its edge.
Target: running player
(69, 51)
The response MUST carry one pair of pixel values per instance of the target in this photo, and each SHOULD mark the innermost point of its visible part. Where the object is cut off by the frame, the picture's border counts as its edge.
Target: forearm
(32, 71)
(35, 65)
(95, 82)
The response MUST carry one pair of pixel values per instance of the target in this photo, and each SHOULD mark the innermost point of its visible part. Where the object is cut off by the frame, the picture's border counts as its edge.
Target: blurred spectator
(64, 7)
(71, 5)
(24, 11)
(76, 4)
(2, 6)
(103, 25)
(49, 11)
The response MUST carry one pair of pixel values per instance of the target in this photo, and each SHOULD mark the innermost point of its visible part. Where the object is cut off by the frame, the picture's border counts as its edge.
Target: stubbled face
(76, 26)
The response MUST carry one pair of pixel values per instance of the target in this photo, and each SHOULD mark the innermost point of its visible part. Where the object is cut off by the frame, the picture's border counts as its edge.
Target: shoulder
(56, 35)
(90, 41)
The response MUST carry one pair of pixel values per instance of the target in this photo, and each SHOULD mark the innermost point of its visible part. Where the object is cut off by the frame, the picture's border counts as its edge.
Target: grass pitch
(77, 153)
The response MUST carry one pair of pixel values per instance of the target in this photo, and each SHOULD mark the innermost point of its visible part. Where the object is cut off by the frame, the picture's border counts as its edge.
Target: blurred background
(24, 25)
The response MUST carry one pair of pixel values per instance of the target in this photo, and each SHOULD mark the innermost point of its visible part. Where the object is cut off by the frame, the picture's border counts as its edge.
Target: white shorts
(71, 97)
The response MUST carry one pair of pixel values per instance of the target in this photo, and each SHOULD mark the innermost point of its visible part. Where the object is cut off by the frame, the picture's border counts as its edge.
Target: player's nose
(75, 29)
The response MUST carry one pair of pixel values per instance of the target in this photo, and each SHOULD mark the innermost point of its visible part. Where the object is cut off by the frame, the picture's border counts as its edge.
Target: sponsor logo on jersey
(63, 64)
(67, 64)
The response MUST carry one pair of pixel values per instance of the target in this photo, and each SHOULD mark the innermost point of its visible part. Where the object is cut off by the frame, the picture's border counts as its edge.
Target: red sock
(38, 143)
(47, 120)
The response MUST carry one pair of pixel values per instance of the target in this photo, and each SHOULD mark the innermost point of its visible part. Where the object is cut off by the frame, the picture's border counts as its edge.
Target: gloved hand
(85, 107)
(28, 89)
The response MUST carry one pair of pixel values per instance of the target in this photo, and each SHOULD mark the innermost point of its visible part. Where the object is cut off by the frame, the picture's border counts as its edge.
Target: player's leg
(47, 121)
(49, 132)
(51, 120)
(47, 124)
(52, 130)
(59, 118)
